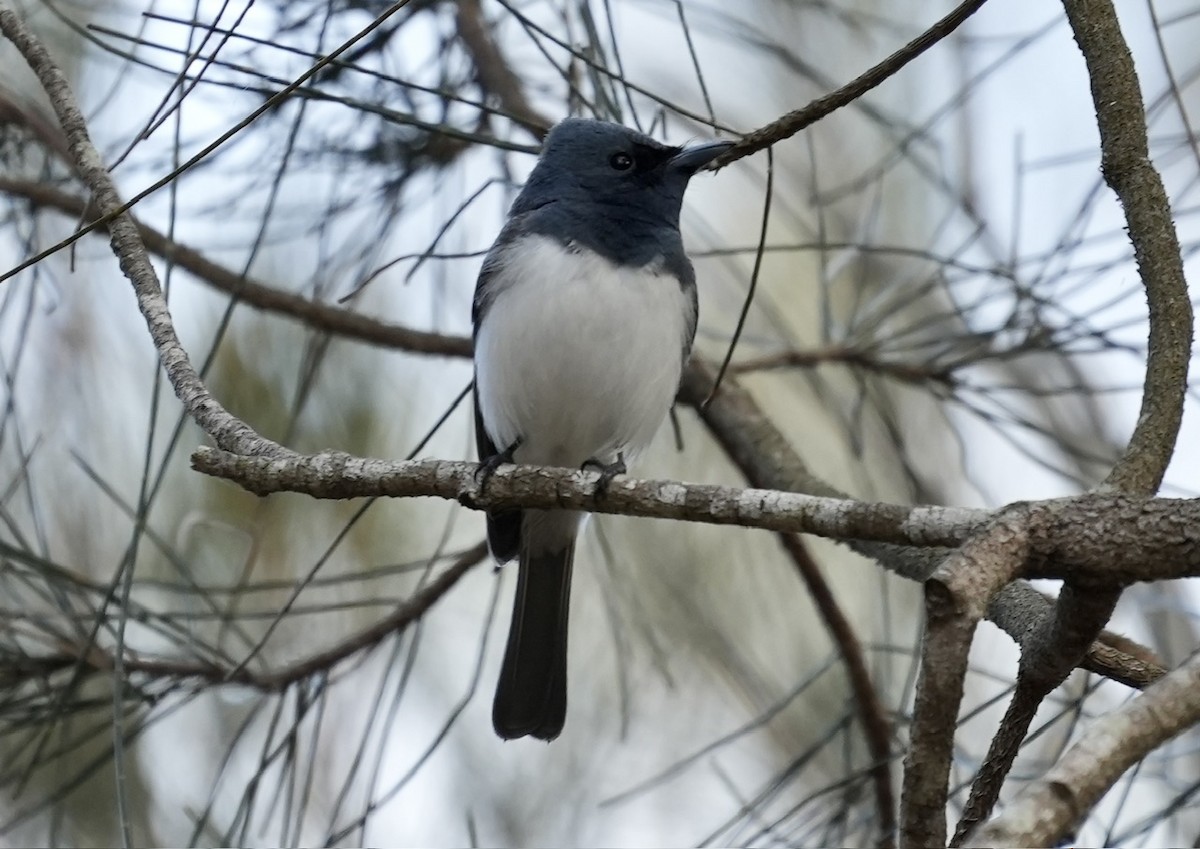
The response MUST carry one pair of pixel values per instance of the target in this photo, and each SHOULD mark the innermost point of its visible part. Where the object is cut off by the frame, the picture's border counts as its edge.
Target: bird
(583, 318)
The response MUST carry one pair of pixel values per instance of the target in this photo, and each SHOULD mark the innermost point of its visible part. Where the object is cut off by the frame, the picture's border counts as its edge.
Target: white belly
(577, 357)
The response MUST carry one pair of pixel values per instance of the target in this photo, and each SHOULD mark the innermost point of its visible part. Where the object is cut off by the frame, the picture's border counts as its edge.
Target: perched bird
(584, 315)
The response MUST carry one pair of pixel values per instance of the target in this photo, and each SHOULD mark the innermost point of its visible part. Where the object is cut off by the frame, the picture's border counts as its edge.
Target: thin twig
(76, 129)
(794, 122)
(278, 680)
(317, 315)
(877, 730)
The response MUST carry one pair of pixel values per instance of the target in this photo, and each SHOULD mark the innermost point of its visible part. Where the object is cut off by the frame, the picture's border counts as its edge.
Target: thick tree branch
(1080, 614)
(1098, 540)
(338, 475)
(956, 598)
(1125, 162)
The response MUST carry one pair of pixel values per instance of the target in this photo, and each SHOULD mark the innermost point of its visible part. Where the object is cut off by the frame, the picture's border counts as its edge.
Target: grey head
(614, 190)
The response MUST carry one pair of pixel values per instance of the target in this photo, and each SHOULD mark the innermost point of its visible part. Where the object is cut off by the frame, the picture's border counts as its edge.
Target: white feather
(578, 357)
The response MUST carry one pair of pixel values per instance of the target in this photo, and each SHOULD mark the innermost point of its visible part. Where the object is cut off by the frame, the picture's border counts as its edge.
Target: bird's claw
(488, 465)
(607, 471)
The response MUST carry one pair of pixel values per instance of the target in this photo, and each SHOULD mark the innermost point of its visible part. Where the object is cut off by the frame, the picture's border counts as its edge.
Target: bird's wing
(503, 526)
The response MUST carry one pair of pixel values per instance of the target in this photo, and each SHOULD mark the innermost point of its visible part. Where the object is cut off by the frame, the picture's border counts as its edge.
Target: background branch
(1046, 812)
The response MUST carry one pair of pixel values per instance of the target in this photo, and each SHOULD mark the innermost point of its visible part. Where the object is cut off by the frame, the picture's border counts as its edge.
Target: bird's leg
(607, 471)
(488, 465)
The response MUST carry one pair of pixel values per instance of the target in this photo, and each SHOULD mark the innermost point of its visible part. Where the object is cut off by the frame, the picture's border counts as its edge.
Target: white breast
(576, 356)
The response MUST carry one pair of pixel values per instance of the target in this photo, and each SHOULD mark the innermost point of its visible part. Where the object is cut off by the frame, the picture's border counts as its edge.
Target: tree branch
(877, 730)
(1054, 652)
(228, 431)
(339, 475)
(1099, 540)
(1125, 162)
(1080, 614)
(956, 598)
(1045, 812)
(794, 122)
(495, 73)
(321, 662)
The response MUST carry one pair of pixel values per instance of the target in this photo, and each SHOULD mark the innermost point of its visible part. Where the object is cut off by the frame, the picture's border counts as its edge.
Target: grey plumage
(584, 314)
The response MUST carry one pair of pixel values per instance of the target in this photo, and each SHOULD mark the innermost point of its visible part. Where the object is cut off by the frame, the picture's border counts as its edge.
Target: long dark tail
(531, 697)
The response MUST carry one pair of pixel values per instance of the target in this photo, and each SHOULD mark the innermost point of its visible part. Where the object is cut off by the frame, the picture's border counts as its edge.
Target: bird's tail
(531, 697)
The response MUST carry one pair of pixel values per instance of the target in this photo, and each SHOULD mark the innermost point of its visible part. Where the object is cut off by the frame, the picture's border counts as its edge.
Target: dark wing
(503, 526)
(678, 265)
(485, 286)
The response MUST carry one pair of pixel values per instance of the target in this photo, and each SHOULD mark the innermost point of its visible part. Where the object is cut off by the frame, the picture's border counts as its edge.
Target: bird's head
(605, 169)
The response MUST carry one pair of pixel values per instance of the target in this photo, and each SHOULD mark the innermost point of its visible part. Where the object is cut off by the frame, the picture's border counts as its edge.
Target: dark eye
(621, 161)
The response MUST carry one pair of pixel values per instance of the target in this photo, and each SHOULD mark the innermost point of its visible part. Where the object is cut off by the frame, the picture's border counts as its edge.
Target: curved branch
(227, 430)
(1125, 162)
(1080, 613)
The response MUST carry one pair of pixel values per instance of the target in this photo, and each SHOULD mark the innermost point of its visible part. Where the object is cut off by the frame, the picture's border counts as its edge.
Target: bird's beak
(695, 156)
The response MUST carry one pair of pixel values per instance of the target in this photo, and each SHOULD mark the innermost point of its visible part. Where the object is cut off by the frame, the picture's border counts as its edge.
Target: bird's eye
(621, 161)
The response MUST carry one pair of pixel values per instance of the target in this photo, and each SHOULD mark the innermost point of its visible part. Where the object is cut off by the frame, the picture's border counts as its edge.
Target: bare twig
(794, 122)
(321, 662)
(877, 730)
(841, 354)
(320, 316)
(77, 130)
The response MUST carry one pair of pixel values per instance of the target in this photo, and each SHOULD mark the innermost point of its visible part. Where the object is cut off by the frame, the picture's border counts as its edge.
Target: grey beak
(695, 156)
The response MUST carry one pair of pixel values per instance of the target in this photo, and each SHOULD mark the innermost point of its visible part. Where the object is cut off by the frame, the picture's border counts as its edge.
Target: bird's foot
(607, 471)
(488, 465)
